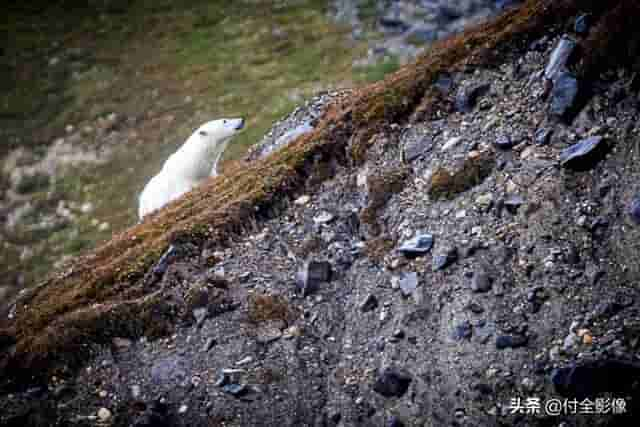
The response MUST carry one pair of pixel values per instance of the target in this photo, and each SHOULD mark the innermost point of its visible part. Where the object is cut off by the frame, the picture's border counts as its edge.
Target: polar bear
(194, 161)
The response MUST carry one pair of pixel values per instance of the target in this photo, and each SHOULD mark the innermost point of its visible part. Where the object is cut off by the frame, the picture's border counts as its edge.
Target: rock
(510, 341)
(408, 283)
(593, 378)
(445, 259)
(312, 274)
(542, 136)
(209, 343)
(200, 315)
(504, 142)
(462, 331)
(467, 96)
(451, 142)
(563, 94)
(559, 58)
(634, 210)
(302, 200)
(268, 335)
(392, 382)
(584, 154)
(121, 343)
(475, 307)
(222, 380)
(236, 390)
(512, 203)
(323, 218)
(104, 414)
(369, 303)
(481, 282)
(183, 409)
(416, 148)
(394, 421)
(581, 26)
(244, 361)
(419, 245)
(136, 391)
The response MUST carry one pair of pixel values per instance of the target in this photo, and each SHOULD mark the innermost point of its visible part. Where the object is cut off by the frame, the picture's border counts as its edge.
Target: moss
(378, 248)
(446, 185)
(266, 307)
(380, 188)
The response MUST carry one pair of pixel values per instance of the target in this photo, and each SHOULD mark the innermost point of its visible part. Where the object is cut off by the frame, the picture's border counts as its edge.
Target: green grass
(378, 71)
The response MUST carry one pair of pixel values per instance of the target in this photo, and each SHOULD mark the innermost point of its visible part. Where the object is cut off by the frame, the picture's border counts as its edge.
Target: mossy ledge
(105, 294)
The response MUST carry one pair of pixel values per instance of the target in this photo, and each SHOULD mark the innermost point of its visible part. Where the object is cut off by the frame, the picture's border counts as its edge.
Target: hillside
(441, 243)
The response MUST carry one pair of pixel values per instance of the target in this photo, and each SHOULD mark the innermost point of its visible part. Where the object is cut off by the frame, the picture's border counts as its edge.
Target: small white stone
(104, 414)
(452, 142)
(183, 409)
(302, 200)
(244, 361)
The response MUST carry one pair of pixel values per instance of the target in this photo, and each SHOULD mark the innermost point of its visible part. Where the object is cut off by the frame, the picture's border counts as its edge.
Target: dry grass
(445, 184)
(266, 307)
(94, 298)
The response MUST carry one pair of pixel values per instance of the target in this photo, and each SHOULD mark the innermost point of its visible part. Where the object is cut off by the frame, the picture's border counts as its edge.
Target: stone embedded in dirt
(394, 422)
(200, 315)
(104, 414)
(408, 283)
(392, 382)
(165, 260)
(323, 218)
(581, 26)
(504, 142)
(512, 203)
(445, 259)
(208, 345)
(634, 210)
(475, 307)
(593, 378)
(559, 58)
(563, 94)
(222, 380)
(510, 341)
(419, 245)
(481, 282)
(236, 390)
(584, 154)
(312, 274)
(467, 96)
(121, 343)
(462, 331)
(542, 136)
(415, 148)
(369, 303)
(451, 142)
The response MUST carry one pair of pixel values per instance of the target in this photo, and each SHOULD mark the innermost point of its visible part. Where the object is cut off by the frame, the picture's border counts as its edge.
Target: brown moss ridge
(103, 293)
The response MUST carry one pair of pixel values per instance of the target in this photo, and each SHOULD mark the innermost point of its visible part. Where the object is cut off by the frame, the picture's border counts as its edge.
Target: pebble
(462, 331)
(369, 303)
(392, 382)
(312, 274)
(183, 409)
(451, 142)
(104, 414)
(420, 244)
(559, 57)
(504, 142)
(467, 96)
(408, 283)
(244, 361)
(542, 136)
(634, 209)
(302, 200)
(481, 282)
(583, 154)
(445, 259)
(235, 389)
(323, 218)
(563, 94)
(510, 341)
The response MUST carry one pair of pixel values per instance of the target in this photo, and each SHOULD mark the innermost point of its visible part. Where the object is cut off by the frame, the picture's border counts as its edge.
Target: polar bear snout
(240, 124)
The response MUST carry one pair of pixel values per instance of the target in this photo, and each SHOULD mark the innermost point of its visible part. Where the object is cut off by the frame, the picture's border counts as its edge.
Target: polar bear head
(218, 131)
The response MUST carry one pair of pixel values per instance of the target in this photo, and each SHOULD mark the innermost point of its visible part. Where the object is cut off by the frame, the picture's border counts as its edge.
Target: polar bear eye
(203, 133)
(224, 121)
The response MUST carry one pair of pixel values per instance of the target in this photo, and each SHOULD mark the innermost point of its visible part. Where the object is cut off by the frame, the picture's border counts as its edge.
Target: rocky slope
(466, 249)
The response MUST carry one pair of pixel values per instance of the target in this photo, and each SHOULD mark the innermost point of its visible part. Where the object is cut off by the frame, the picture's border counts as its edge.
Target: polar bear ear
(203, 133)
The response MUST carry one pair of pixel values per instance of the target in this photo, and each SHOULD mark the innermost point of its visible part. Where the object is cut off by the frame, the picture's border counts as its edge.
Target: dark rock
(475, 307)
(594, 378)
(236, 390)
(165, 260)
(542, 136)
(394, 24)
(448, 257)
(581, 26)
(444, 84)
(584, 154)
(369, 303)
(208, 345)
(463, 331)
(394, 422)
(200, 315)
(634, 210)
(510, 341)
(154, 415)
(563, 94)
(392, 383)
(408, 283)
(467, 97)
(559, 58)
(419, 245)
(481, 282)
(222, 380)
(312, 274)
(398, 334)
(504, 142)
(512, 203)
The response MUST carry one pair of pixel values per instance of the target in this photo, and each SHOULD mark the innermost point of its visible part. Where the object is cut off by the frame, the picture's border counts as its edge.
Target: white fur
(194, 161)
